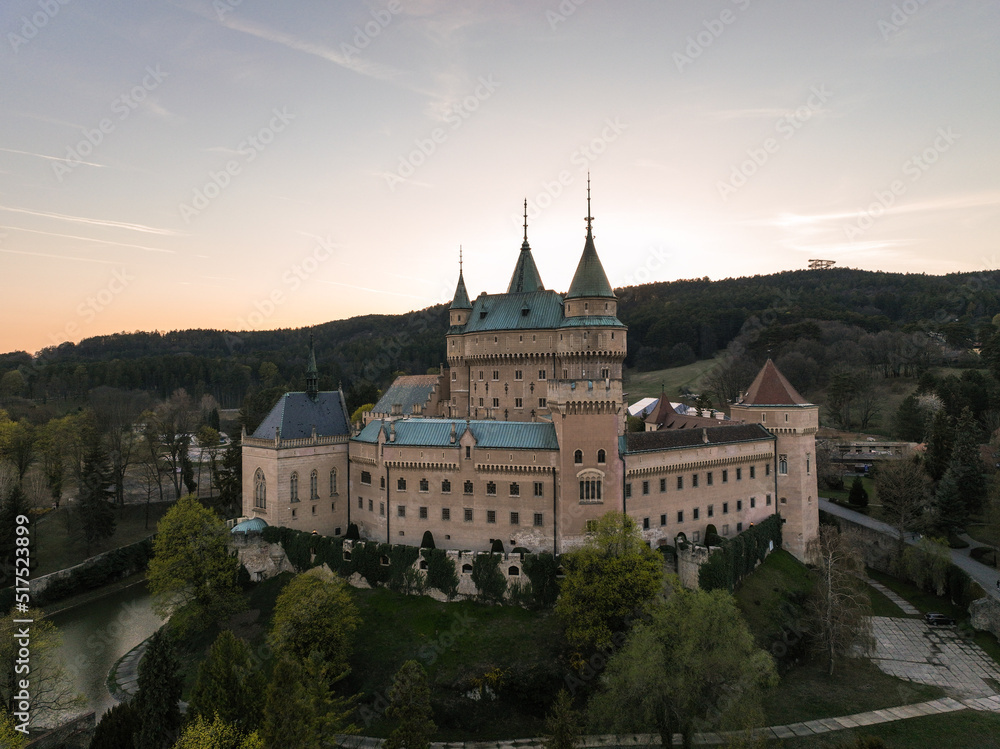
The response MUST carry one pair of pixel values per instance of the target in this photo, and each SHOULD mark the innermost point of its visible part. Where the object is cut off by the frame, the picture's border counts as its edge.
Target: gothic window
(783, 465)
(491, 488)
(259, 490)
(590, 490)
(333, 482)
(314, 485)
(578, 456)
(293, 487)
(601, 455)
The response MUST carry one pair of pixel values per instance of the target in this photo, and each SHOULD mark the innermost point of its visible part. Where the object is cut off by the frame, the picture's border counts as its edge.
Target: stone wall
(76, 733)
(986, 615)
(689, 561)
(38, 585)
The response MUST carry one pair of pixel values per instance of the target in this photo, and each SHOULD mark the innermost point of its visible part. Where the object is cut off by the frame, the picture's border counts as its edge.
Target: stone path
(911, 649)
(905, 605)
(124, 680)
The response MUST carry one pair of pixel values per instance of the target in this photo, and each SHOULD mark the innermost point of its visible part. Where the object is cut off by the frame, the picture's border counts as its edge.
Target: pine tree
(910, 420)
(117, 727)
(562, 724)
(228, 685)
(97, 513)
(858, 496)
(962, 489)
(300, 710)
(410, 704)
(159, 692)
(229, 476)
(13, 505)
(939, 443)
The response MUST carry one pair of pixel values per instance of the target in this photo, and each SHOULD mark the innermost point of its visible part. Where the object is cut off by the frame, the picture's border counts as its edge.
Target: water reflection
(97, 634)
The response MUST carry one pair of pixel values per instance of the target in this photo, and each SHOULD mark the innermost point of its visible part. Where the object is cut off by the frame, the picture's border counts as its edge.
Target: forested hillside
(804, 315)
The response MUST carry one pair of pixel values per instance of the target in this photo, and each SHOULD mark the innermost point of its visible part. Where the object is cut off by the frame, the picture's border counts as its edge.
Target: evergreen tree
(410, 704)
(229, 476)
(300, 710)
(910, 420)
(858, 495)
(97, 513)
(13, 505)
(939, 444)
(228, 685)
(117, 727)
(159, 692)
(962, 490)
(562, 724)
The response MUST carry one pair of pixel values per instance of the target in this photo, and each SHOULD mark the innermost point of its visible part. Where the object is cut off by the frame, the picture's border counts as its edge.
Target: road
(986, 576)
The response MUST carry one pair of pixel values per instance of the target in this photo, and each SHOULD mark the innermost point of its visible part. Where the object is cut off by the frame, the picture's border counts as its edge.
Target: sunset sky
(243, 164)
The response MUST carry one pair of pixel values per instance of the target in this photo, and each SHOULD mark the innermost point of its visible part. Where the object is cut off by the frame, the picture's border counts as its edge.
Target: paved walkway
(907, 607)
(123, 681)
(983, 574)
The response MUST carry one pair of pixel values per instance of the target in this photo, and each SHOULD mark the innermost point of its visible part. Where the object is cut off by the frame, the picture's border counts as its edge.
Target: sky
(245, 164)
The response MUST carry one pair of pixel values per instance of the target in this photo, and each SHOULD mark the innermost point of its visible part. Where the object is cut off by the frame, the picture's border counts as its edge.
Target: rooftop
(512, 435)
(669, 439)
(296, 414)
(771, 388)
(408, 391)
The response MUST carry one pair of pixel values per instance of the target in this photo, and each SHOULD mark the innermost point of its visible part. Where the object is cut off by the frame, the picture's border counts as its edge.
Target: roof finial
(526, 221)
(460, 260)
(589, 217)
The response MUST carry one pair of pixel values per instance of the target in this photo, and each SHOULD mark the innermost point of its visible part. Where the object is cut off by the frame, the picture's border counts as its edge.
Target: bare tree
(839, 611)
(903, 488)
(172, 423)
(730, 378)
(116, 412)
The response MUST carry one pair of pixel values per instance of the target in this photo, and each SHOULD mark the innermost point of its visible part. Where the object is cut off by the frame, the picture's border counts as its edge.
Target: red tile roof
(770, 388)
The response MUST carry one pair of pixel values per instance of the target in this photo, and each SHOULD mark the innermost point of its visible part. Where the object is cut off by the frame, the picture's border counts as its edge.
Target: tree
(410, 704)
(608, 582)
(192, 568)
(729, 379)
(97, 516)
(229, 477)
(693, 666)
(961, 492)
(940, 439)
(562, 724)
(158, 695)
(858, 496)
(902, 488)
(117, 727)
(300, 710)
(116, 412)
(17, 444)
(839, 611)
(216, 734)
(50, 692)
(313, 614)
(228, 684)
(10, 737)
(207, 439)
(910, 420)
(172, 425)
(13, 503)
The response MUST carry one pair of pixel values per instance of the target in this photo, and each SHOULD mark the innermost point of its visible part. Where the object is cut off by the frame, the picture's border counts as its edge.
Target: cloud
(93, 221)
(91, 239)
(52, 158)
(60, 257)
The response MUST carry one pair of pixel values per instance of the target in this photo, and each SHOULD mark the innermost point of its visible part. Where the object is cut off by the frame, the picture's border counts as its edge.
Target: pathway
(908, 608)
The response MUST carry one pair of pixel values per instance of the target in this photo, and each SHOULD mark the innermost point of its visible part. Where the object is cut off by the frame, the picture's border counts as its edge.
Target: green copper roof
(590, 280)
(525, 276)
(502, 435)
(527, 311)
(461, 300)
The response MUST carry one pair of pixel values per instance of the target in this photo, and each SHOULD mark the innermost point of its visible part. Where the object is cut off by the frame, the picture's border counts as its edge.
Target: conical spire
(590, 280)
(461, 300)
(525, 276)
(312, 372)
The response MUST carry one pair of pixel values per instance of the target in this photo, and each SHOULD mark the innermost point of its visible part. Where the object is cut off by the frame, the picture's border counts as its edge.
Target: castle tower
(772, 402)
(590, 293)
(525, 277)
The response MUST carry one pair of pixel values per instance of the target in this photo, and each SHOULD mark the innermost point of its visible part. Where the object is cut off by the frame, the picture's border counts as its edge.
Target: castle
(521, 439)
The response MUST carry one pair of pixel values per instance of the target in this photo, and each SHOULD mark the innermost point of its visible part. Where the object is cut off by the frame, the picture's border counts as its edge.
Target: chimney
(392, 431)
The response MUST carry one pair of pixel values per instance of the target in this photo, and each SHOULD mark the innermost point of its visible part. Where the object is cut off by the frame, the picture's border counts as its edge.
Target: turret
(460, 305)
(590, 292)
(525, 277)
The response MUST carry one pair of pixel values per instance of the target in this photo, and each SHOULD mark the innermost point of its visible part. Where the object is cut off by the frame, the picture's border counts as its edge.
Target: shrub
(427, 542)
(542, 570)
(858, 496)
(488, 579)
(985, 555)
(441, 572)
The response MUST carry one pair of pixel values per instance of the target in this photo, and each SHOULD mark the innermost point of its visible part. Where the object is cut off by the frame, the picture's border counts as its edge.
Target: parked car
(938, 620)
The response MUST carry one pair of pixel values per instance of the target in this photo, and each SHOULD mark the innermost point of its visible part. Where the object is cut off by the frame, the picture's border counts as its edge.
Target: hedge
(726, 567)
(107, 568)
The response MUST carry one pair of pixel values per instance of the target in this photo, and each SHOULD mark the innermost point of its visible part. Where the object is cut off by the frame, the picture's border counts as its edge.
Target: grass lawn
(771, 597)
(60, 542)
(961, 730)
(840, 495)
(988, 535)
(640, 385)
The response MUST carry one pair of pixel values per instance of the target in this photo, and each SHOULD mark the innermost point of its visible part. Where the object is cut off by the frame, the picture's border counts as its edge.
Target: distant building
(521, 438)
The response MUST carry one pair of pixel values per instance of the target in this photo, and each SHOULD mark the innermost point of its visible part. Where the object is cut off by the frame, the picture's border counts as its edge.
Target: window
(491, 489)
(293, 487)
(366, 478)
(314, 485)
(645, 524)
(739, 474)
(784, 500)
(680, 516)
(601, 456)
(401, 511)
(725, 477)
(518, 374)
(645, 487)
(725, 508)
(753, 472)
(663, 485)
(628, 491)
(767, 500)
(663, 519)
(491, 516)
(425, 485)
(767, 469)
(423, 513)
(496, 403)
(711, 510)
(539, 489)
(696, 536)
(480, 403)
(361, 505)
(370, 506)
(739, 505)
(496, 375)
(519, 403)
(467, 489)
(680, 482)
(468, 448)
(783, 465)
(605, 374)
(454, 374)
(401, 484)
(480, 374)
(739, 527)
(293, 513)
(753, 502)
(446, 513)
(541, 403)
(468, 514)
(578, 456)
(725, 529)
(333, 482)
(541, 374)
(446, 487)
(708, 478)
(807, 463)
(763, 418)
(259, 490)
(515, 519)
(694, 513)
(381, 509)
(590, 490)
(515, 489)
(694, 480)
(538, 520)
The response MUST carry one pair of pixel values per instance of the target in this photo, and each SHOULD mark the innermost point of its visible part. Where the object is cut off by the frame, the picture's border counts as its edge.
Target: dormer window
(482, 314)
(525, 310)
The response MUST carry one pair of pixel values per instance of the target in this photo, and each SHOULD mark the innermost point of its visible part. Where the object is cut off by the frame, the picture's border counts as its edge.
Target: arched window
(601, 455)
(333, 482)
(293, 487)
(314, 485)
(783, 464)
(578, 456)
(259, 490)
